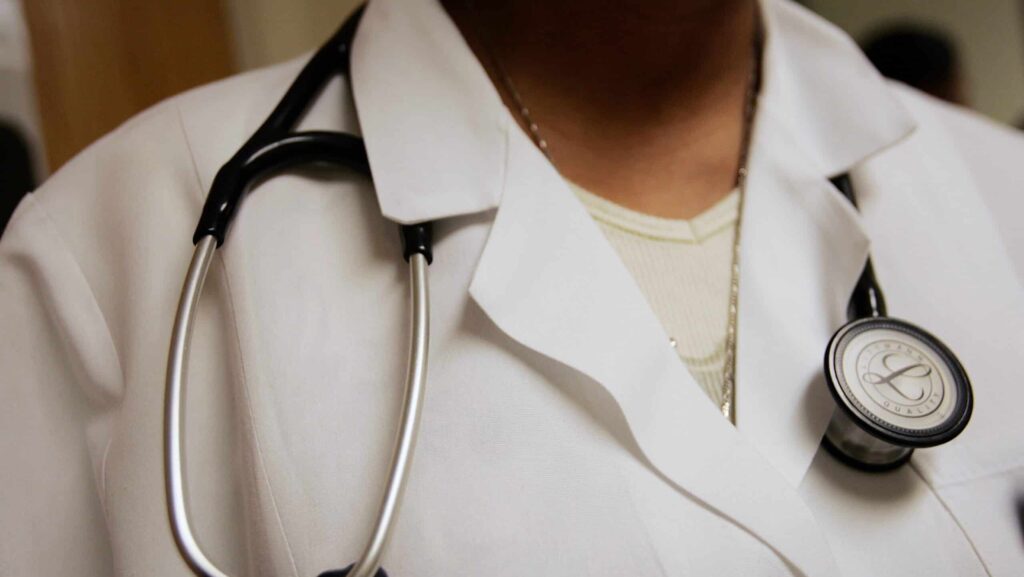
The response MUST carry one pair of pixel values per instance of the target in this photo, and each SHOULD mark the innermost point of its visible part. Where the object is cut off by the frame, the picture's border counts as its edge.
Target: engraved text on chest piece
(899, 378)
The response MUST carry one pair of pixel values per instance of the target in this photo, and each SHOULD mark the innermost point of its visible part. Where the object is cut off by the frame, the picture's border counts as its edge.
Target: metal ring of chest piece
(898, 387)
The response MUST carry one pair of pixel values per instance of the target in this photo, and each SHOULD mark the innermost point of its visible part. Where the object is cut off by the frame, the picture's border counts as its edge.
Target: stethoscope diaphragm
(897, 388)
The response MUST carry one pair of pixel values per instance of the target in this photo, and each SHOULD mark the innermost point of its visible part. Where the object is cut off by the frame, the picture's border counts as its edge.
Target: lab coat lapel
(549, 279)
(802, 251)
(803, 245)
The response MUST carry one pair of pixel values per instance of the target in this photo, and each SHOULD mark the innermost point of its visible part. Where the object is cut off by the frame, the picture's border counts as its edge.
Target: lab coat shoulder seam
(188, 148)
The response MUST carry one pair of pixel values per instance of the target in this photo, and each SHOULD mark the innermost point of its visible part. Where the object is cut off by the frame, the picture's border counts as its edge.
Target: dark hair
(921, 57)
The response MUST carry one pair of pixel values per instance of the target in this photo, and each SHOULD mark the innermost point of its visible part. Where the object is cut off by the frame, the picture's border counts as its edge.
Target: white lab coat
(561, 434)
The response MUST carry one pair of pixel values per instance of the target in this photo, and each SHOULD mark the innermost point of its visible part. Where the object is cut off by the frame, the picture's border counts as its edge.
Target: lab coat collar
(823, 109)
(441, 143)
(817, 82)
(802, 250)
(436, 128)
(549, 280)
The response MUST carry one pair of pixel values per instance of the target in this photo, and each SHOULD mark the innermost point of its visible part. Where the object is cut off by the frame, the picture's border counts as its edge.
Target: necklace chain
(727, 404)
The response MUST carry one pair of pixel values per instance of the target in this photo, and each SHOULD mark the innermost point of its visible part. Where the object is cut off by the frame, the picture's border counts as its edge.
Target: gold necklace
(728, 403)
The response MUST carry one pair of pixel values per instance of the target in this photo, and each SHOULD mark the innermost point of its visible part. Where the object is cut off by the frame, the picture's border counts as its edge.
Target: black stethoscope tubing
(273, 147)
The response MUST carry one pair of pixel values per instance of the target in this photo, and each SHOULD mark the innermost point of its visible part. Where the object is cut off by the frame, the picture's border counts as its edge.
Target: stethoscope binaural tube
(273, 148)
(896, 386)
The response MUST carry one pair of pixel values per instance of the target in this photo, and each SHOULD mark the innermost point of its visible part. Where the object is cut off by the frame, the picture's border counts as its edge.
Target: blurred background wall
(72, 70)
(18, 107)
(989, 35)
(97, 62)
(268, 31)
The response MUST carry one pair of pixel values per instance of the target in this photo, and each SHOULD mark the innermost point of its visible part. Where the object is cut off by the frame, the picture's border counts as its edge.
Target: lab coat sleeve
(90, 269)
(59, 383)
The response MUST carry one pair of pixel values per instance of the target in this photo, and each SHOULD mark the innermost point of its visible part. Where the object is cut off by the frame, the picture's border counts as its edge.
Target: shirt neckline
(720, 216)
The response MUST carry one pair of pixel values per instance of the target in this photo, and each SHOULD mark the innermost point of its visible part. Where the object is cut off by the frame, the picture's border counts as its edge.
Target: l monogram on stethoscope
(913, 370)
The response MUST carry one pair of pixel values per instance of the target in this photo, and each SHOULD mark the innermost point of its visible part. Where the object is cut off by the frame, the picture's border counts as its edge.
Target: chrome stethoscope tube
(177, 370)
(369, 559)
(405, 443)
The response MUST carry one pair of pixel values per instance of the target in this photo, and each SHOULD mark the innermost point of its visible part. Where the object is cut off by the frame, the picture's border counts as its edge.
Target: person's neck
(641, 104)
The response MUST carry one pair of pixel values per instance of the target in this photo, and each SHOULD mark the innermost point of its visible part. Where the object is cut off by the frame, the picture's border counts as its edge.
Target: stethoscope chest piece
(897, 388)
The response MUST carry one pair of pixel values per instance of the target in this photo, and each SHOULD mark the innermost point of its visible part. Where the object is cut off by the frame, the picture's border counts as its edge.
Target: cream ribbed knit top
(683, 269)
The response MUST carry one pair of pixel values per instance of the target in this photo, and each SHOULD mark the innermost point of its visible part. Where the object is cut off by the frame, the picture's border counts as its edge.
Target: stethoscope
(897, 387)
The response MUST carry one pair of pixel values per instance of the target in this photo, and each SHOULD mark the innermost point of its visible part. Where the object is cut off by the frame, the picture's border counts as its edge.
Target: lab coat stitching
(103, 475)
(647, 533)
(952, 516)
(252, 420)
(188, 148)
(241, 362)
